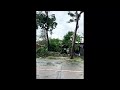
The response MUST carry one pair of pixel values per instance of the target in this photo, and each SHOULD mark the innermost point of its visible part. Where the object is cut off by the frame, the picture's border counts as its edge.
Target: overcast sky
(63, 27)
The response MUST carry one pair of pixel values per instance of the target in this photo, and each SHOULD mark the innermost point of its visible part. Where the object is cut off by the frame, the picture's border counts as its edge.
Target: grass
(55, 57)
(51, 57)
(76, 59)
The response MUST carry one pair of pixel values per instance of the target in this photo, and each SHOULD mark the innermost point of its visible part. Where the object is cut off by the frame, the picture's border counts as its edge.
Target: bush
(41, 52)
(55, 45)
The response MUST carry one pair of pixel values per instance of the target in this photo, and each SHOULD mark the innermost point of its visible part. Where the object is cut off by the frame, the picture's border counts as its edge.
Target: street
(59, 69)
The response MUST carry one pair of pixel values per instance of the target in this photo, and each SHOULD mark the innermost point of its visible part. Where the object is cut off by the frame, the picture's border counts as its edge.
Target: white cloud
(63, 27)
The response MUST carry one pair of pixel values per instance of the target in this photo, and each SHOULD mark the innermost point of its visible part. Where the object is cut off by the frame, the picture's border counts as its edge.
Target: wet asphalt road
(58, 69)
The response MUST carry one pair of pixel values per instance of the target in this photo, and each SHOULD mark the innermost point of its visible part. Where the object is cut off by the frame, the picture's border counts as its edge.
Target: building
(82, 46)
(79, 45)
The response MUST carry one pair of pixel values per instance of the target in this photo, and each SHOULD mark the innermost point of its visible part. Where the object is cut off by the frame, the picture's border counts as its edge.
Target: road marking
(58, 70)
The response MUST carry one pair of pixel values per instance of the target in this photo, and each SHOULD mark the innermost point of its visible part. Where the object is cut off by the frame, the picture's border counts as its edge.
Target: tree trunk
(73, 42)
(47, 40)
(47, 30)
(74, 37)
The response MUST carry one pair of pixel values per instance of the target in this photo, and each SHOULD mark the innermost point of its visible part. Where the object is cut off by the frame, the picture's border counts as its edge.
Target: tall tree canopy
(66, 39)
(43, 21)
(46, 22)
(75, 18)
(55, 45)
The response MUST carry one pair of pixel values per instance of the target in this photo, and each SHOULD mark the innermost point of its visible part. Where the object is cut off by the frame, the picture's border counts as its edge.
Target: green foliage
(73, 17)
(71, 20)
(71, 14)
(41, 52)
(44, 22)
(55, 45)
(78, 39)
(66, 39)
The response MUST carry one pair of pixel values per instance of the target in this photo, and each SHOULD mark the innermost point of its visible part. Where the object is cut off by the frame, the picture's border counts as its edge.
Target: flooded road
(61, 68)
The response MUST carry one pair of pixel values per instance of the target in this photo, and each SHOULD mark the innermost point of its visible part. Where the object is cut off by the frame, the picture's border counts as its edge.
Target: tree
(78, 38)
(46, 23)
(66, 40)
(55, 45)
(75, 17)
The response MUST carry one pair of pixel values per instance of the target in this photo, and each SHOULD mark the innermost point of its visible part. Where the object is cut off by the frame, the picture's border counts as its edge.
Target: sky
(63, 27)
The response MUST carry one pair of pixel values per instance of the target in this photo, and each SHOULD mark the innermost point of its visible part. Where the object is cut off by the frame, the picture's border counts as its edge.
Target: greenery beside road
(55, 47)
